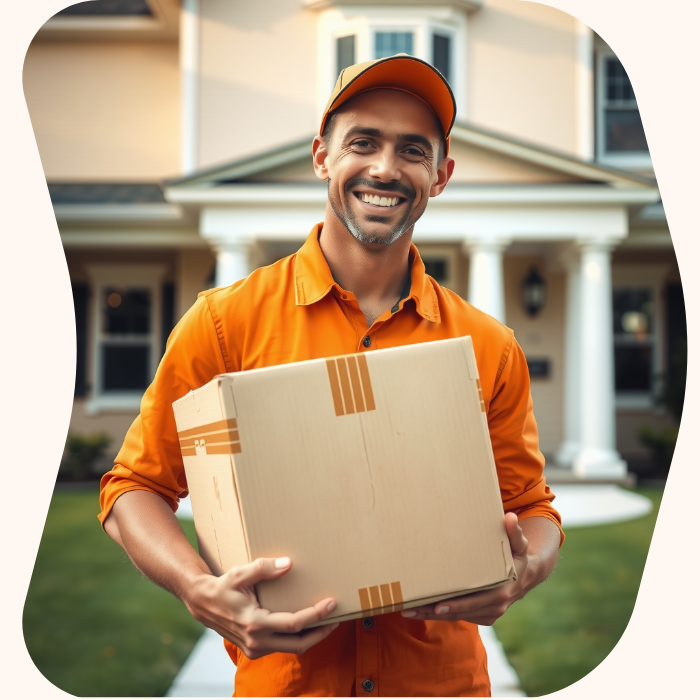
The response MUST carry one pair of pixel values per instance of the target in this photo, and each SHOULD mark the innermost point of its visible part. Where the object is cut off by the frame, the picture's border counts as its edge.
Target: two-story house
(175, 139)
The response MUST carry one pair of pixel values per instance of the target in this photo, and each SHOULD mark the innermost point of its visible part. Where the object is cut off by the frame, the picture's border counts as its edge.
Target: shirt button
(368, 622)
(345, 296)
(366, 341)
(368, 685)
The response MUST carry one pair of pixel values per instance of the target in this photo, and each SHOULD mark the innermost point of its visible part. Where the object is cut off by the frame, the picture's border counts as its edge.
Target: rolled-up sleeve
(150, 458)
(514, 437)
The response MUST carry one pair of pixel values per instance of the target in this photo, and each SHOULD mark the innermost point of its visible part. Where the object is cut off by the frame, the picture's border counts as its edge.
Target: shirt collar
(313, 279)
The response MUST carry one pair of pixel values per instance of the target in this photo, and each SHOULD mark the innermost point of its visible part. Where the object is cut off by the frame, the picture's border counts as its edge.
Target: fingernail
(409, 613)
(442, 610)
(331, 606)
(282, 562)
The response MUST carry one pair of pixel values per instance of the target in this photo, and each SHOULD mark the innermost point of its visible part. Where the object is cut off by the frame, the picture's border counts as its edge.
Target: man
(357, 284)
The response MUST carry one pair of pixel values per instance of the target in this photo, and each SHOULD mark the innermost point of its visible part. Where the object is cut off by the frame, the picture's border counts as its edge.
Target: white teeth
(380, 201)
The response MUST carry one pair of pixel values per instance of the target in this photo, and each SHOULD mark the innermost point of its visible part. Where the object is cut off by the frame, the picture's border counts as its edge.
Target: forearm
(543, 539)
(143, 524)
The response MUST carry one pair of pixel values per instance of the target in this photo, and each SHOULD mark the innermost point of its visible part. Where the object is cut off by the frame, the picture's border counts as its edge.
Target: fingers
(291, 623)
(259, 570)
(516, 537)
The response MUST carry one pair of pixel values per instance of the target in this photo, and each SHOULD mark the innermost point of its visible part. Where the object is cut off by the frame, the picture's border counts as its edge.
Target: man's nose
(385, 165)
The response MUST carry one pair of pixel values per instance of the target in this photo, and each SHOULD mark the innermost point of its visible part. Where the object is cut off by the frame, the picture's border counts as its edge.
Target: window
(345, 52)
(441, 54)
(620, 134)
(634, 332)
(129, 308)
(442, 264)
(391, 43)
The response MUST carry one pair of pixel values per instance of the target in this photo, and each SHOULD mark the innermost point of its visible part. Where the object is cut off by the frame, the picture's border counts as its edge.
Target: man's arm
(143, 524)
(535, 545)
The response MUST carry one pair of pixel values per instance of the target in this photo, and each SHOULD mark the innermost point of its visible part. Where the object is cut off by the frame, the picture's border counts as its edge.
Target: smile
(378, 201)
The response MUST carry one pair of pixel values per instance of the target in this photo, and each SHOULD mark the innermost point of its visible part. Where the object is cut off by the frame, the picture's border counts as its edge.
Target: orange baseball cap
(399, 72)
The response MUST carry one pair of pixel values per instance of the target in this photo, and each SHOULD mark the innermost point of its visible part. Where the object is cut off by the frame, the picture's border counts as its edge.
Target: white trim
(316, 193)
(189, 85)
(632, 161)
(118, 212)
(142, 276)
(585, 126)
(131, 238)
(464, 5)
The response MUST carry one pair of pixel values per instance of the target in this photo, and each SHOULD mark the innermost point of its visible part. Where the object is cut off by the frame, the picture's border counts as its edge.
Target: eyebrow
(377, 133)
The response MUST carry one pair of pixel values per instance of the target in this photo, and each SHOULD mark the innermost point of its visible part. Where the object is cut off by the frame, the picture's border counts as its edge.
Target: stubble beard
(348, 218)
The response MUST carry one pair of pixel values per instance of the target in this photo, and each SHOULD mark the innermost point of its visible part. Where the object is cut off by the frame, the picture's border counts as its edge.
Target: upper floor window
(442, 54)
(345, 52)
(620, 134)
(391, 43)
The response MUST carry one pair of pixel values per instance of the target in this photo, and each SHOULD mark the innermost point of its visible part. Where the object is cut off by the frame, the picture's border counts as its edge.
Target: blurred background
(175, 138)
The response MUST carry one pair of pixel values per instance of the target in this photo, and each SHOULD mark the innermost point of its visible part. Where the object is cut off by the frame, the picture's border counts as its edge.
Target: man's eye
(362, 143)
(412, 151)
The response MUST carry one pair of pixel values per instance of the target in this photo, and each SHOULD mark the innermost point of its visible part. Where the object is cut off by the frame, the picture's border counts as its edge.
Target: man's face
(382, 164)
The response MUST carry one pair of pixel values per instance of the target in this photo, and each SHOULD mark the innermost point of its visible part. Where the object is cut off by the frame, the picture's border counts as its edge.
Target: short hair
(330, 123)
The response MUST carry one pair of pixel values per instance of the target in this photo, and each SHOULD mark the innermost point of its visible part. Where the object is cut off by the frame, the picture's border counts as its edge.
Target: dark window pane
(80, 304)
(125, 367)
(345, 48)
(437, 269)
(441, 54)
(127, 311)
(633, 368)
(168, 314)
(390, 43)
(624, 132)
(633, 313)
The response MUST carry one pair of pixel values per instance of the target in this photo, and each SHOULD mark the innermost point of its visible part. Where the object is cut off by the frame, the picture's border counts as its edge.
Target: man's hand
(534, 558)
(144, 526)
(228, 604)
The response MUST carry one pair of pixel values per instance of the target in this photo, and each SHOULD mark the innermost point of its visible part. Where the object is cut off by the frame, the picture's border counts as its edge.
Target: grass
(95, 627)
(562, 630)
(92, 624)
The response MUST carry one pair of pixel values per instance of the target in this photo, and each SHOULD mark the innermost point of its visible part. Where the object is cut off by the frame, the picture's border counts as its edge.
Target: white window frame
(364, 22)
(650, 277)
(631, 160)
(136, 276)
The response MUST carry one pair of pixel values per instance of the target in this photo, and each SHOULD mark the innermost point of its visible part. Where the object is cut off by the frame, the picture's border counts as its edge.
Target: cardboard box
(373, 472)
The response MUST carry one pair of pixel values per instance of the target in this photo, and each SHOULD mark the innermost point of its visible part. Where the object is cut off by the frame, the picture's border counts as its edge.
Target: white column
(598, 456)
(231, 262)
(486, 276)
(571, 446)
(189, 76)
(585, 107)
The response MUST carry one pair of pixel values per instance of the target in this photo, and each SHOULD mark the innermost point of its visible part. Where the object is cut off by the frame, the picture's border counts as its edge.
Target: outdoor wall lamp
(534, 292)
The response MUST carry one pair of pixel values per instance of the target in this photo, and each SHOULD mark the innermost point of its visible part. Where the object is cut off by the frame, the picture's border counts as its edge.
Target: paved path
(209, 673)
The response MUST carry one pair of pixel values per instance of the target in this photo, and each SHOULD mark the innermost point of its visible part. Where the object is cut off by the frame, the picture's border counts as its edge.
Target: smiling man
(357, 284)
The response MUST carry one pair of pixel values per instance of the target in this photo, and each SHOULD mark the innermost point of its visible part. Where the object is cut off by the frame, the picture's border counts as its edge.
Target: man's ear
(320, 158)
(444, 172)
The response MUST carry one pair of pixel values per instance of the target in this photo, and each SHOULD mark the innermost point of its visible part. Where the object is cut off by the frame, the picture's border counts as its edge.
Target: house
(175, 138)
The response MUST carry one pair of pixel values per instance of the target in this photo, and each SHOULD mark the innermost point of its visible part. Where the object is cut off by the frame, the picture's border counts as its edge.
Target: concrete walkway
(209, 673)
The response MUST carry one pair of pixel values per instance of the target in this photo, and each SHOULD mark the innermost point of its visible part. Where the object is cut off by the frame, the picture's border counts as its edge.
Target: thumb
(259, 570)
(516, 536)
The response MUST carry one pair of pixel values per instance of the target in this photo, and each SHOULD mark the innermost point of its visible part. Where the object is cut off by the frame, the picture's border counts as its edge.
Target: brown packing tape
(188, 452)
(345, 385)
(385, 591)
(335, 387)
(397, 595)
(364, 599)
(228, 424)
(366, 382)
(374, 597)
(356, 384)
(225, 436)
(230, 448)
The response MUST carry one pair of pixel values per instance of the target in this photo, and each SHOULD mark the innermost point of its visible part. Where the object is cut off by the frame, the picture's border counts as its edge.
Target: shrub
(81, 455)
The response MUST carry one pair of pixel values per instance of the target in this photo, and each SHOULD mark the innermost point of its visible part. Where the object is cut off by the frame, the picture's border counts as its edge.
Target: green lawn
(93, 625)
(562, 630)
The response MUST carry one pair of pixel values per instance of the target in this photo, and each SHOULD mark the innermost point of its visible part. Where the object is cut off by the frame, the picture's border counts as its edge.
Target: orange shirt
(292, 311)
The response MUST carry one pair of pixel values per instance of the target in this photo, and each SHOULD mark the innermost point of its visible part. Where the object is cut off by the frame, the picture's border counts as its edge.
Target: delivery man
(357, 284)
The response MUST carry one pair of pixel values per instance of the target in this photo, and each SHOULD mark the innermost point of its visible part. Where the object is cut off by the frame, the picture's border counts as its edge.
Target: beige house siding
(541, 337)
(193, 269)
(258, 77)
(106, 110)
(522, 72)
